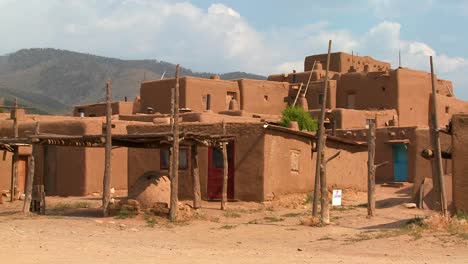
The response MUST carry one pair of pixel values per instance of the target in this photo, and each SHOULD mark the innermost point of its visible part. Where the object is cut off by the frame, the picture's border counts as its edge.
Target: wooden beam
(195, 176)
(31, 172)
(106, 195)
(324, 210)
(321, 138)
(371, 168)
(438, 176)
(175, 155)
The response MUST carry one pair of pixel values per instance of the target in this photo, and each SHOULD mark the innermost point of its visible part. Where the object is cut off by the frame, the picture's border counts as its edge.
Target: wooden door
(22, 173)
(400, 163)
(215, 172)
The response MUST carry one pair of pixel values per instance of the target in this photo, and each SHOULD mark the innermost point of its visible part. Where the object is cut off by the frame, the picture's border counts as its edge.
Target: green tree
(302, 117)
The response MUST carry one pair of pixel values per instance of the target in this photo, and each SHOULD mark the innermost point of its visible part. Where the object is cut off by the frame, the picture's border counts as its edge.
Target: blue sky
(260, 36)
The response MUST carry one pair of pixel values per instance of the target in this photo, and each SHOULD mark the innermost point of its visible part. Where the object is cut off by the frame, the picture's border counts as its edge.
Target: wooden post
(371, 168)
(108, 154)
(195, 177)
(30, 180)
(321, 138)
(225, 171)
(439, 180)
(15, 157)
(325, 211)
(175, 155)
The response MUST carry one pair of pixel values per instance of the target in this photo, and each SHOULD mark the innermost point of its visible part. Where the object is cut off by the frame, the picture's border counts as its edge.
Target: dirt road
(246, 233)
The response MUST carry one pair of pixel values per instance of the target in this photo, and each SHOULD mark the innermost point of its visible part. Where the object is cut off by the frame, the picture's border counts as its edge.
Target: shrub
(302, 117)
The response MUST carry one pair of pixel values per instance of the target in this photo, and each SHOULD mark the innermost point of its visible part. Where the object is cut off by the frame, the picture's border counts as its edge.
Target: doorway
(400, 162)
(215, 172)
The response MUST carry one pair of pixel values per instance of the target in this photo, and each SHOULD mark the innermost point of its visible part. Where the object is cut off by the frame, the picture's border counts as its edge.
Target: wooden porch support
(438, 174)
(15, 157)
(225, 171)
(31, 172)
(371, 168)
(195, 176)
(325, 211)
(321, 139)
(108, 153)
(175, 155)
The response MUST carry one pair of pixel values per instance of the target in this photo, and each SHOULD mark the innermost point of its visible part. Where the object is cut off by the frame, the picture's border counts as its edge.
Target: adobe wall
(459, 159)
(448, 106)
(263, 97)
(374, 90)
(354, 119)
(341, 62)
(157, 94)
(349, 169)
(288, 164)
(193, 91)
(423, 167)
(315, 91)
(5, 169)
(99, 109)
(414, 93)
(248, 183)
(95, 158)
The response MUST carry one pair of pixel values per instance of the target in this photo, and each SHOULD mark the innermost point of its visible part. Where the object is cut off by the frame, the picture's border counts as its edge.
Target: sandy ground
(268, 232)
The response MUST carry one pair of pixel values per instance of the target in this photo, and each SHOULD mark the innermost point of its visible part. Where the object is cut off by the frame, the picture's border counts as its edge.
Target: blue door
(400, 163)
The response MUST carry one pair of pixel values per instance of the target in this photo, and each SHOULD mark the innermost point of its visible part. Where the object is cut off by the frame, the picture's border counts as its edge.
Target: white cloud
(216, 39)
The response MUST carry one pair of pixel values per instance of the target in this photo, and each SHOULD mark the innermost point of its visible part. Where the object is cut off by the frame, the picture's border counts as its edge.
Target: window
(295, 160)
(320, 99)
(183, 158)
(351, 101)
(447, 109)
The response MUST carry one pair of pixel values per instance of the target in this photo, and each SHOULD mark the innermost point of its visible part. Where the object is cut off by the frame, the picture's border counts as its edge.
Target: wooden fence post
(108, 152)
(438, 181)
(15, 157)
(371, 168)
(225, 170)
(195, 177)
(321, 138)
(31, 172)
(175, 155)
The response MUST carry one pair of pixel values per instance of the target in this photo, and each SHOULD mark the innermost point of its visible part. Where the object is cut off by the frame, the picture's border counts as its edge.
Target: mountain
(53, 80)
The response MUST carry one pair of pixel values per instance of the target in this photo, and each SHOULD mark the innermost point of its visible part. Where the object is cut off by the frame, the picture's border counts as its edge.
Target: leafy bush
(302, 117)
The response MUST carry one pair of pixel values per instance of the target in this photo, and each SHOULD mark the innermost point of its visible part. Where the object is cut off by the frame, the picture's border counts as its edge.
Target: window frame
(182, 149)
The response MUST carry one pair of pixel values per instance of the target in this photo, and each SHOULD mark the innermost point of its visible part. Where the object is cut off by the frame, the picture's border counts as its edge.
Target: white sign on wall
(336, 200)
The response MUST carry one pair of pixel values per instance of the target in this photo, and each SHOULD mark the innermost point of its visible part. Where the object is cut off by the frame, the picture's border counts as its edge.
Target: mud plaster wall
(352, 119)
(423, 167)
(5, 169)
(447, 106)
(316, 90)
(263, 97)
(376, 90)
(124, 108)
(248, 183)
(349, 169)
(460, 164)
(157, 94)
(95, 158)
(342, 62)
(197, 88)
(288, 166)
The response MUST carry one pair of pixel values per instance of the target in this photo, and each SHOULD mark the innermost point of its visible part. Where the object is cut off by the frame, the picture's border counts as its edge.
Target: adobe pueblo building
(264, 159)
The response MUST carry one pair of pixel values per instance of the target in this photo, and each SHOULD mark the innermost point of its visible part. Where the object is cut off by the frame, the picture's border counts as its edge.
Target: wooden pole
(436, 145)
(195, 177)
(321, 138)
(30, 180)
(225, 171)
(371, 168)
(15, 157)
(175, 154)
(325, 211)
(108, 154)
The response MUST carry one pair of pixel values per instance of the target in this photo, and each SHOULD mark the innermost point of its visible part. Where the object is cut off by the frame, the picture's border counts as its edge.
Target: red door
(215, 172)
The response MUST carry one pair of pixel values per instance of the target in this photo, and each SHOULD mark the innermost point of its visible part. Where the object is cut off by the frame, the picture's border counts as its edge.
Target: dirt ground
(270, 232)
